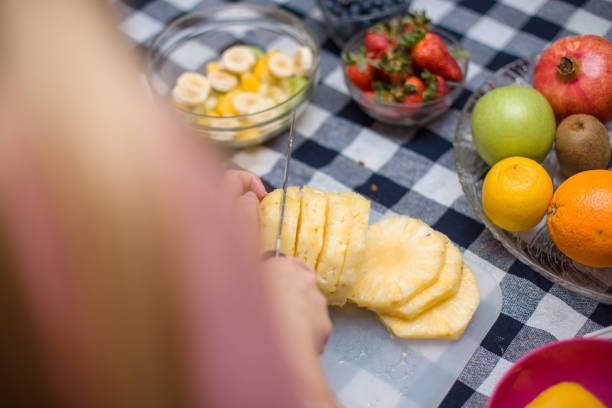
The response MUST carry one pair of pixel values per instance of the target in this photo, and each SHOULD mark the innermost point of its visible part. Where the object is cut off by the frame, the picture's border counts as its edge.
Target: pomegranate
(575, 76)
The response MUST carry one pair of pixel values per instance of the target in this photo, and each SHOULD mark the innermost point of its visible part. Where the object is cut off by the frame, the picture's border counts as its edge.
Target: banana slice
(302, 60)
(280, 65)
(277, 94)
(222, 81)
(238, 58)
(220, 134)
(191, 89)
(248, 102)
(211, 102)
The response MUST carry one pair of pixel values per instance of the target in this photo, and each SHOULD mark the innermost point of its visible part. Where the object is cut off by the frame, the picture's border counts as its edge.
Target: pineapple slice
(269, 218)
(355, 250)
(338, 224)
(403, 256)
(444, 287)
(446, 320)
(311, 225)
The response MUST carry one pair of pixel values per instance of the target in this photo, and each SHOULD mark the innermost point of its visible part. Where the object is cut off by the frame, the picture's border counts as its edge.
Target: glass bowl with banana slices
(235, 72)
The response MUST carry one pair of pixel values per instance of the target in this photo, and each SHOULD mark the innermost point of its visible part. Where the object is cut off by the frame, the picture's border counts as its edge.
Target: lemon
(566, 395)
(516, 193)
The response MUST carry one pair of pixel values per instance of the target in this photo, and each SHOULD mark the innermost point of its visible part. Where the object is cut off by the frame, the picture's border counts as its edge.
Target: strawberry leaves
(431, 85)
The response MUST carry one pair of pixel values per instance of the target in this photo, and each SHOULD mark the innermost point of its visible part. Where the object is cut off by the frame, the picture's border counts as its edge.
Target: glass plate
(533, 247)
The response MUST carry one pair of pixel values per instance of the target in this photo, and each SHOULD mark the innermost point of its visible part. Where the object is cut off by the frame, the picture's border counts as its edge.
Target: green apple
(514, 120)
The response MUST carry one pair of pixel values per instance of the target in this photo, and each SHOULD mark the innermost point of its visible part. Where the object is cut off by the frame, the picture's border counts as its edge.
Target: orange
(516, 193)
(580, 218)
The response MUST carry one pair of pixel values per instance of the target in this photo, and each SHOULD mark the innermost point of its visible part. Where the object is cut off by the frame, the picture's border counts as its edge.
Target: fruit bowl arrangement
(404, 71)
(550, 207)
(235, 72)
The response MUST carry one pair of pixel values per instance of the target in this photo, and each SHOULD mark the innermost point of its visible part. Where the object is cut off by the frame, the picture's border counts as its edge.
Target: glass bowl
(406, 114)
(191, 41)
(342, 28)
(533, 247)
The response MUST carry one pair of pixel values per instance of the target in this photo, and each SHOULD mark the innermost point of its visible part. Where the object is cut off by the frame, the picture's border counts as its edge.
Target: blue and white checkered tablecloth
(337, 148)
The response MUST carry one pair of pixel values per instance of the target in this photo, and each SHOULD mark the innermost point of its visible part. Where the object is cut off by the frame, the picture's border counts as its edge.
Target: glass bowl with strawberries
(404, 71)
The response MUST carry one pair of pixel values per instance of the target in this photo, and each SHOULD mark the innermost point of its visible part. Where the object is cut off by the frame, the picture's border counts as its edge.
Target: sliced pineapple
(311, 225)
(403, 256)
(338, 224)
(446, 320)
(269, 219)
(444, 287)
(356, 248)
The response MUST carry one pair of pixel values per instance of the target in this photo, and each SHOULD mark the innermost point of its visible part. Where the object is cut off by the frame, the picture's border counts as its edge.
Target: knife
(286, 177)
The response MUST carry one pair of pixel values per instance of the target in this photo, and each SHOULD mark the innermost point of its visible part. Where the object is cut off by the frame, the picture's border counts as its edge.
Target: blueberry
(354, 9)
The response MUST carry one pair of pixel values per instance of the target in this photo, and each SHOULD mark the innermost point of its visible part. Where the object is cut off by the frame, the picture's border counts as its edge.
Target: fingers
(247, 209)
(239, 182)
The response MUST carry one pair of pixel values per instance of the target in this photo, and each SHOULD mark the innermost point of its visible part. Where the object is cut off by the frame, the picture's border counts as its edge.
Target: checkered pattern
(338, 147)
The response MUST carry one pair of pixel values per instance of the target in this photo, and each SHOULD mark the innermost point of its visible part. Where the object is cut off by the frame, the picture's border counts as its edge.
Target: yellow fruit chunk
(212, 67)
(249, 82)
(356, 248)
(403, 256)
(247, 134)
(269, 219)
(311, 225)
(516, 193)
(446, 320)
(338, 224)
(261, 70)
(565, 395)
(225, 107)
(444, 287)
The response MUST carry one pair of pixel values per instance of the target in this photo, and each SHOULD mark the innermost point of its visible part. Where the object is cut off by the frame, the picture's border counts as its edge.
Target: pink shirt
(186, 326)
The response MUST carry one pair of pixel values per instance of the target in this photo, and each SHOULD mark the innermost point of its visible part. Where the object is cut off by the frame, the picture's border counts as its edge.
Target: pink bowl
(587, 362)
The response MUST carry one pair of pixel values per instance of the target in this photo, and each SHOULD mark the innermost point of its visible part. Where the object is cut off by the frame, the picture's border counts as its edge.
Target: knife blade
(285, 179)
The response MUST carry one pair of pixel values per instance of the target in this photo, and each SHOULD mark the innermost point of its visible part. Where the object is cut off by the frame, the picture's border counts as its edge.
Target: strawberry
(361, 79)
(442, 87)
(375, 43)
(413, 90)
(431, 54)
(369, 96)
(435, 86)
(394, 67)
(416, 19)
(392, 78)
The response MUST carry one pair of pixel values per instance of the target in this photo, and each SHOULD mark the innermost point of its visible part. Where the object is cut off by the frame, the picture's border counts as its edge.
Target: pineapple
(403, 256)
(446, 320)
(338, 225)
(444, 287)
(269, 218)
(311, 225)
(356, 248)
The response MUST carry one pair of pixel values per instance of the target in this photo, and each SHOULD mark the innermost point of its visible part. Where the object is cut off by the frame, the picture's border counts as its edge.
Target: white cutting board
(369, 368)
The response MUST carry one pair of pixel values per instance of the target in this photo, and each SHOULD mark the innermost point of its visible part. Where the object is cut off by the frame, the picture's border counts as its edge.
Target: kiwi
(582, 143)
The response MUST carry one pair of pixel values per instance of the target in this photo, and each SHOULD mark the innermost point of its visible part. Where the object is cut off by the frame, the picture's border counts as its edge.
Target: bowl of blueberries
(345, 18)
